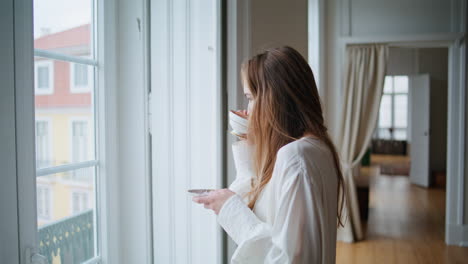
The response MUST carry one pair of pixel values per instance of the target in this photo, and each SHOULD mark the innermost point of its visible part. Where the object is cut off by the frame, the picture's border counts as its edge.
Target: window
(393, 113)
(44, 202)
(80, 78)
(79, 201)
(44, 75)
(43, 143)
(65, 67)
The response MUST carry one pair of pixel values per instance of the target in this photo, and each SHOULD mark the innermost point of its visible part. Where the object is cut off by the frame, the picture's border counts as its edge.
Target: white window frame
(22, 215)
(80, 89)
(50, 65)
(100, 114)
(49, 203)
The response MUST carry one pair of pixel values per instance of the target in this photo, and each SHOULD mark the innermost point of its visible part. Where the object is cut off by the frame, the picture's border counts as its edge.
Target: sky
(60, 15)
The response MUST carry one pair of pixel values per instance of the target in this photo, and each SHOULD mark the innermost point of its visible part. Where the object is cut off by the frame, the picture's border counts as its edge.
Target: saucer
(199, 192)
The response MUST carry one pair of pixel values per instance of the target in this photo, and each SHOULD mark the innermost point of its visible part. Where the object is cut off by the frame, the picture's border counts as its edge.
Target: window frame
(50, 65)
(19, 85)
(93, 63)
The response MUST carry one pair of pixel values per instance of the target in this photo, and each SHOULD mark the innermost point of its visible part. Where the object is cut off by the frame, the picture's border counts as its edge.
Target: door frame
(455, 229)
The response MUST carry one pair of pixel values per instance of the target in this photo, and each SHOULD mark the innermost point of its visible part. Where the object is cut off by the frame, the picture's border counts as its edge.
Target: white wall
(402, 61)
(277, 22)
(379, 17)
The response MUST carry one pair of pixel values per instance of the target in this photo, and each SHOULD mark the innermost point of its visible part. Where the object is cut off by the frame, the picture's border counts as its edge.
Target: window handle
(37, 258)
(32, 257)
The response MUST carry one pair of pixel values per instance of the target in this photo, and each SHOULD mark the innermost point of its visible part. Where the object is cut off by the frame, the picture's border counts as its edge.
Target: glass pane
(64, 115)
(399, 134)
(388, 84)
(401, 110)
(385, 113)
(65, 216)
(401, 84)
(63, 26)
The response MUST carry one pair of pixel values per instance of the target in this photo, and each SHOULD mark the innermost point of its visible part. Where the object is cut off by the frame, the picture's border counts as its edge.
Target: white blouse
(295, 217)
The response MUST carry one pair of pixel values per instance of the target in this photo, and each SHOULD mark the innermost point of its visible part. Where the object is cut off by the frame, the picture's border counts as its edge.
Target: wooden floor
(405, 225)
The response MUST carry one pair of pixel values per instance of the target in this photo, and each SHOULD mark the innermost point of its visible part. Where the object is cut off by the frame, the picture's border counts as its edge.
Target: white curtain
(364, 80)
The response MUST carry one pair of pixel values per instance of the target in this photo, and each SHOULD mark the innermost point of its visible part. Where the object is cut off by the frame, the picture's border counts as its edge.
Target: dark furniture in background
(389, 147)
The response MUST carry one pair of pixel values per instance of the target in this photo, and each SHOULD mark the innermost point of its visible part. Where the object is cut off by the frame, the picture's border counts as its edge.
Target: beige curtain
(365, 74)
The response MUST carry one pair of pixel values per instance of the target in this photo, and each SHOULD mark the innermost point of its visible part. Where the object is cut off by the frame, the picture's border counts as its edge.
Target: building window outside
(79, 141)
(44, 77)
(393, 113)
(44, 203)
(43, 144)
(79, 201)
(80, 78)
(80, 151)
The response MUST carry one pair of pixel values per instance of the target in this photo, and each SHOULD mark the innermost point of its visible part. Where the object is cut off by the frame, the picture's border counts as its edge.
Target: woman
(283, 206)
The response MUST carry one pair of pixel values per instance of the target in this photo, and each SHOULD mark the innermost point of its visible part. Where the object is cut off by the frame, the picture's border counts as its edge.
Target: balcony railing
(71, 238)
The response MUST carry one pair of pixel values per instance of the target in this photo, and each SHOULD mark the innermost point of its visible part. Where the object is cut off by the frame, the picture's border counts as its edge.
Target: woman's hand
(215, 199)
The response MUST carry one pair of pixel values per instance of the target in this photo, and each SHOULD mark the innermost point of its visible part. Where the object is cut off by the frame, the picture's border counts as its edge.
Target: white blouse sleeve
(285, 240)
(242, 154)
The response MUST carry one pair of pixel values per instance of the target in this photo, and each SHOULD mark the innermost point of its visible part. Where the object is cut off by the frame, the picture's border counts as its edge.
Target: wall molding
(405, 40)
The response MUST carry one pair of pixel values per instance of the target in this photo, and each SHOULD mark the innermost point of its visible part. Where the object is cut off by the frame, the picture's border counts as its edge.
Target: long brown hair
(287, 106)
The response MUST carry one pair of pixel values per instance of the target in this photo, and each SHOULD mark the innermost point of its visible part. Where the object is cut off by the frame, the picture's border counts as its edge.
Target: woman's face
(248, 95)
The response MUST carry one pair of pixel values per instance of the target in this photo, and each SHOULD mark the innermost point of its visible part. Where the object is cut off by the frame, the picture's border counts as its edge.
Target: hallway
(406, 225)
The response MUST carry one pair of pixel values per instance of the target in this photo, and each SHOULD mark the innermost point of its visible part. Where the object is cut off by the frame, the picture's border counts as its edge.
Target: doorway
(411, 134)
(409, 147)
(407, 215)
